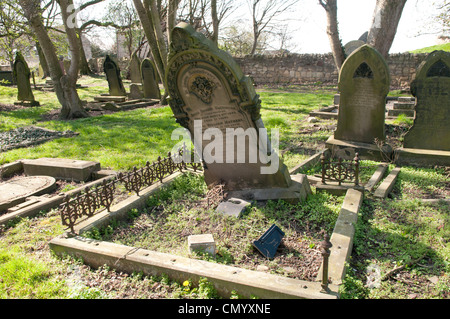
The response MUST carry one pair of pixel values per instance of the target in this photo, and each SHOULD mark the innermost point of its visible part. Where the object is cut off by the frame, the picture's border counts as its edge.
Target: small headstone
(431, 87)
(112, 72)
(135, 69)
(150, 85)
(351, 46)
(202, 243)
(22, 75)
(233, 207)
(268, 243)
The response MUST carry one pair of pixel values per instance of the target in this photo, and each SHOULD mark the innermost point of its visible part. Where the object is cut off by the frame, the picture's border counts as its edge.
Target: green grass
(388, 233)
(443, 47)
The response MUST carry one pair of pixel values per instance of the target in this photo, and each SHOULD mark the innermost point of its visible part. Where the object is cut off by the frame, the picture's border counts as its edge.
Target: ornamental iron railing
(340, 171)
(101, 197)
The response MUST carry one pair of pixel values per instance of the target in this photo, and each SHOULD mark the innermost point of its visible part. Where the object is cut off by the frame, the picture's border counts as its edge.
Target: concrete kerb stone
(225, 278)
(9, 169)
(388, 184)
(376, 177)
(342, 237)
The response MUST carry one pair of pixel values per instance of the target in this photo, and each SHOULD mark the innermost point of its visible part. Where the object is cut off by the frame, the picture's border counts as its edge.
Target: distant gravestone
(135, 69)
(149, 80)
(431, 87)
(351, 46)
(112, 72)
(363, 84)
(209, 94)
(22, 75)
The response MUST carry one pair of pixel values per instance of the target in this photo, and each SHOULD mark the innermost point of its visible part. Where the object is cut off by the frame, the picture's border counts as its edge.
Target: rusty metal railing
(101, 197)
(340, 171)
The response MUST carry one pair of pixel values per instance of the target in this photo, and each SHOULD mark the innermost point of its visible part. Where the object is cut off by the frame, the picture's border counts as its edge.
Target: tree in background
(264, 14)
(64, 84)
(385, 19)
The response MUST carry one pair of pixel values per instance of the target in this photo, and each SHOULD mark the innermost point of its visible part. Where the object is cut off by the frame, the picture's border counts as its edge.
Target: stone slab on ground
(233, 207)
(388, 184)
(109, 98)
(61, 168)
(347, 150)
(422, 157)
(15, 191)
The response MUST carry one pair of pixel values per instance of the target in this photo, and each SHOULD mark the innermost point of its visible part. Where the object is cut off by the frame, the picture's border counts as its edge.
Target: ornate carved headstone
(210, 96)
(22, 76)
(112, 72)
(149, 80)
(431, 87)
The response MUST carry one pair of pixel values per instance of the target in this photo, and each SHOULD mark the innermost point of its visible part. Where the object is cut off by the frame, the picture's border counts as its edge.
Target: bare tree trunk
(65, 85)
(215, 22)
(84, 65)
(149, 30)
(171, 17)
(385, 21)
(42, 61)
(337, 49)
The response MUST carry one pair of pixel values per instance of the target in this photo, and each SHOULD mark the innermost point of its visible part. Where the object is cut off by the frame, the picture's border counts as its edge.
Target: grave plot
(31, 186)
(28, 136)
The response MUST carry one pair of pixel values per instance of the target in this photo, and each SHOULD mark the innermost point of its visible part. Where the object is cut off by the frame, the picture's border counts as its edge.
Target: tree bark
(42, 61)
(65, 85)
(385, 20)
(337, 49)
(215, 22)
(149, 30)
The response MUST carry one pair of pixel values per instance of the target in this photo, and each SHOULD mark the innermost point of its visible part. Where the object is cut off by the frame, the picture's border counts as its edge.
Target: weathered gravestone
(112, 72)
(135, 69)
(135, 77)
(363, 84)
(149, 80)
(22, 76)
(211, 98)
(428, 140)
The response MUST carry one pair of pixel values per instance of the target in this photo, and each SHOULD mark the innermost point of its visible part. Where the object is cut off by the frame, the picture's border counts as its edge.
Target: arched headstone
(363, 84)
(211, 97)
(22, 76)
(431, 87)
(135, 69)
(112, 72)
(149, 80)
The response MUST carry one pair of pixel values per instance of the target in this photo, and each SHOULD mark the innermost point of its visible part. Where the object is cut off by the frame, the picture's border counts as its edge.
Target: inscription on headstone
(112, 72)
(431, 87)
(210, 96)
(363, 85)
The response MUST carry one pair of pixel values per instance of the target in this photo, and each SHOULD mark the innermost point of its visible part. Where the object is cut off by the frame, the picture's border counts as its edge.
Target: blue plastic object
(268, 243)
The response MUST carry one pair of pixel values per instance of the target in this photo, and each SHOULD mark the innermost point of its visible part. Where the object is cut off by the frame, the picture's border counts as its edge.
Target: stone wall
(305, 68)
(319, 68)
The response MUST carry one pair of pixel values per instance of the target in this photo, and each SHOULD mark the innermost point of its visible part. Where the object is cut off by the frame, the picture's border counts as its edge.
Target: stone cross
(112, 72)
(431, 87)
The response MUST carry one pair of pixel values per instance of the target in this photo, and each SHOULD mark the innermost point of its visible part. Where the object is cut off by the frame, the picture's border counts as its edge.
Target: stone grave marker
(363, 84)
(210, 97)
(112, 72)
(431, 87)
(268, 243)
(22, 75)
(135, 69)
(15, 191)
(61, 168)
(149, 80)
